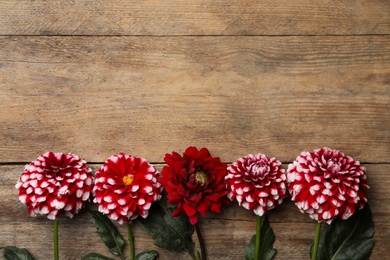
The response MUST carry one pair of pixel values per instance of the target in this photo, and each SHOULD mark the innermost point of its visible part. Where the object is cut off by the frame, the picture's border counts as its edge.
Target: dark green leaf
(95, 256)
(109, 233)
(250, 249)
(348, 239)
(267, 239)
(147, 255)
(15, 253)
(172, 233)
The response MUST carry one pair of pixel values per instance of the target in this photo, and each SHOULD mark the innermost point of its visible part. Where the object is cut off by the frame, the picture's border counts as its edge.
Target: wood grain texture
(198, 17)
(225, 234)
(150, 77)
(95, 96)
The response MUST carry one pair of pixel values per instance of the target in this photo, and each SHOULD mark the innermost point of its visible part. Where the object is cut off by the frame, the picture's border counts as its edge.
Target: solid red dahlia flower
(55, 183)
(194, 182)
(257, 183)
(125, 187)
(326, 184)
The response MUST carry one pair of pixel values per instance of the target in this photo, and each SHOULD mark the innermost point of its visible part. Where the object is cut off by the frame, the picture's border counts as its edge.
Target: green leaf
(250, 249)
(147, 255)
(171, 233)
(95, 256)
(15, 253)
(348, 239)
(267, 239)
(109, 233)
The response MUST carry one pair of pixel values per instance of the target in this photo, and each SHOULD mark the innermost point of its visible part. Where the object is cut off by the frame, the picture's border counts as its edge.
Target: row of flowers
(326, 184)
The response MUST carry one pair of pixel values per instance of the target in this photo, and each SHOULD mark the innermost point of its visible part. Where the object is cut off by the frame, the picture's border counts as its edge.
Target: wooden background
(149, 77)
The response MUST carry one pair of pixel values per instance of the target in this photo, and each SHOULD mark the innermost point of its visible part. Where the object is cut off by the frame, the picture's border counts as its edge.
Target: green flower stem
(201, 242)
(131, 241)
(258, 230)
(55, 231)
(316, 240)
(196, 255)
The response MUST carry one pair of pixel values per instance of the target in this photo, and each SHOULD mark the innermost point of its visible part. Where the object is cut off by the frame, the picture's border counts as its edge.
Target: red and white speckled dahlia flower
(125, 187)
(257, 183)
(195, 182)
(55, 183)
(326, 184)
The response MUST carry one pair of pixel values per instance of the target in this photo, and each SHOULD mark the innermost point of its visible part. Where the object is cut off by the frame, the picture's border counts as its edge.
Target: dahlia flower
(256, 182)
(125, 187)
(326, 184)
(55, 183)
(195, 182)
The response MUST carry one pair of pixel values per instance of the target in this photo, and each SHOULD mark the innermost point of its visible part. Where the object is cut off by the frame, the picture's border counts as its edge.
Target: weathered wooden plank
(182, 17)
(293, 240)
(95, 96)
(225, 234)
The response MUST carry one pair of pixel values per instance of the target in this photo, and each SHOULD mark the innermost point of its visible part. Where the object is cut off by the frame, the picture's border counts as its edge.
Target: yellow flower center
(201, 177)
(128, 179)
